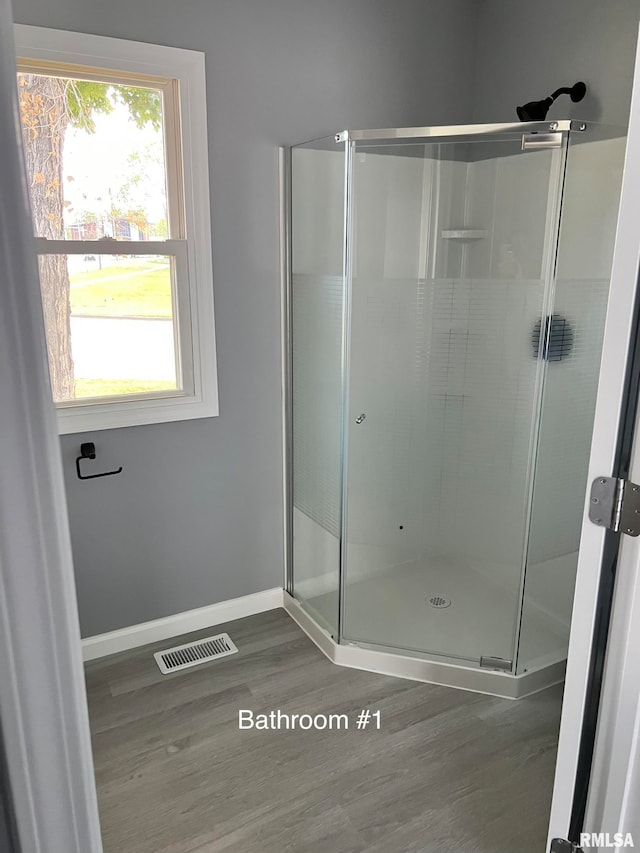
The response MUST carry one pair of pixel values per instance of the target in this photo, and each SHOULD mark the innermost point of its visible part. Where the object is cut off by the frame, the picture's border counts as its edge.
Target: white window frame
(194, 274)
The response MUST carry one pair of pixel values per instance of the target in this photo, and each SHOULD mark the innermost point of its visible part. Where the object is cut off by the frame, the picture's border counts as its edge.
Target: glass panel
(95, 158)
(585, 254)
(317, 296)
(453, 244)
(110, 322)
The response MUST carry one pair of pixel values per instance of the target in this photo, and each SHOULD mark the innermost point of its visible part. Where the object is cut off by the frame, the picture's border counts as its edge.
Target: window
(115, 144)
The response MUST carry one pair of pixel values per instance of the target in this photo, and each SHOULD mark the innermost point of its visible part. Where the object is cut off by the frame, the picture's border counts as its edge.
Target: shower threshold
(418, 667)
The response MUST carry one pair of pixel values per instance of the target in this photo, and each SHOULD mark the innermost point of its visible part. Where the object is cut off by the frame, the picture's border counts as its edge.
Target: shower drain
(439, 601)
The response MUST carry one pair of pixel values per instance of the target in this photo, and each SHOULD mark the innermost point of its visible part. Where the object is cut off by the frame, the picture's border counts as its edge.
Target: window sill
(103, 414)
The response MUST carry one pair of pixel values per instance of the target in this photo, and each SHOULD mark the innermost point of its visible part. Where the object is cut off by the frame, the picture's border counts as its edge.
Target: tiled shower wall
(480, 402)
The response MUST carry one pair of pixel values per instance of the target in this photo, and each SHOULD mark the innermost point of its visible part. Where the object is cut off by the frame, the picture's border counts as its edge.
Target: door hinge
(615, 504)
(561, 845)
(535, 141)
(488, 662)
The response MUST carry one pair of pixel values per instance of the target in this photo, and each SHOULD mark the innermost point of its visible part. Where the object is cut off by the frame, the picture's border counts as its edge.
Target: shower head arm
(537, 110)
(563, 90)
(575, 92)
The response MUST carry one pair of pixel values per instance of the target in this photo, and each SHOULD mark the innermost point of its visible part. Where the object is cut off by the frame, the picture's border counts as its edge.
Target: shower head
(537, 110)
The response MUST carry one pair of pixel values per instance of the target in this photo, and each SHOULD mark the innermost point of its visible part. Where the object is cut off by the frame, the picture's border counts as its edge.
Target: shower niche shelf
(464, 234)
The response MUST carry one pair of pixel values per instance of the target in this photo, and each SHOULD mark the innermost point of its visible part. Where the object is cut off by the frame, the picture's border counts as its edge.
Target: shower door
(451, 250)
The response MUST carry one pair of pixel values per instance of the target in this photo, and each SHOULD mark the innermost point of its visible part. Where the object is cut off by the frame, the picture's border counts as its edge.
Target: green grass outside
(113, 387)
(122, 291)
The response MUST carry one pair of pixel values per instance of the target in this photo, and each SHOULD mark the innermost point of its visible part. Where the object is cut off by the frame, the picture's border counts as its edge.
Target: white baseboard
(181, 623)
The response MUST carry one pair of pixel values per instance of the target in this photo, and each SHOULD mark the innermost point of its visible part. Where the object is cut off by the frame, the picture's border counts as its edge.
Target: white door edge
(611, 390)
(43, 705)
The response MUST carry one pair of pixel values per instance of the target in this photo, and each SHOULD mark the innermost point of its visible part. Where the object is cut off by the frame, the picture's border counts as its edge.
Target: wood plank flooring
(448, 771)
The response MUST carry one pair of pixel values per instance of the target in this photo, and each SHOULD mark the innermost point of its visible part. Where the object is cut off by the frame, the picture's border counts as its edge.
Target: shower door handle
(360, 418)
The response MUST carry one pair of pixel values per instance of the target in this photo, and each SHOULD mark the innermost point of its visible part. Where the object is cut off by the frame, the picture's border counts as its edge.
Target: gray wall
(196, 516)
(528, 48)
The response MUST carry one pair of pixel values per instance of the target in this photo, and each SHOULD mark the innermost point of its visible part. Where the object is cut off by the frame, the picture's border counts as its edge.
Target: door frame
(597, 548)
(43, 705)
(614, 791)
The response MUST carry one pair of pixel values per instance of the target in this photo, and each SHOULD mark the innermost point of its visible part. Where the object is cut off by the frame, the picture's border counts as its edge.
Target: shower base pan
(420, 668)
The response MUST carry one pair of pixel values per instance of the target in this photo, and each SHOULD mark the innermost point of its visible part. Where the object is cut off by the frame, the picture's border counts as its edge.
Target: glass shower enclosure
(447, 293)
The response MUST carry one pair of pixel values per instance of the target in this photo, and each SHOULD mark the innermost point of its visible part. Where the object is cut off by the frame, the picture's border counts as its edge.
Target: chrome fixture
(537, 110)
